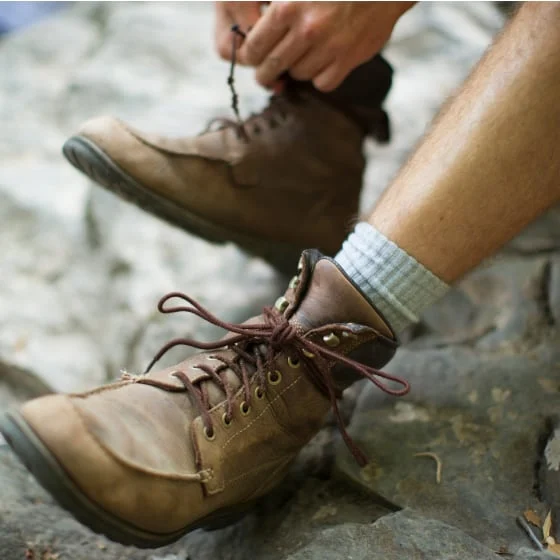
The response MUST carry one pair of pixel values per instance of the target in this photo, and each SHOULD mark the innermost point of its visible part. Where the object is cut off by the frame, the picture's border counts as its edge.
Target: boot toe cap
(87, 469)
(107, 133)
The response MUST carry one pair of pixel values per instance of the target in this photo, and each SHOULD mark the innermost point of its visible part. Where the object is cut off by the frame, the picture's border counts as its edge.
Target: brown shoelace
(235, 33)
(274, 114)
(271, 116)
(255, 347)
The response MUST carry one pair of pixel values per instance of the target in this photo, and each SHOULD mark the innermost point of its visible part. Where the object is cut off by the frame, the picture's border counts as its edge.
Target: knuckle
(310, 30)
(273, 64)
(284, 11)
(253, 48)
(268, 70)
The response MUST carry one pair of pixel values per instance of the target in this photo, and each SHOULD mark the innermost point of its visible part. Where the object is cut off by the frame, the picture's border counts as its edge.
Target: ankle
(360, 96)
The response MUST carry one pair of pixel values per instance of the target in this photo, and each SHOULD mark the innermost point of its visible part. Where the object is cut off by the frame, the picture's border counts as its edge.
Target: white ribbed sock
(396, 283)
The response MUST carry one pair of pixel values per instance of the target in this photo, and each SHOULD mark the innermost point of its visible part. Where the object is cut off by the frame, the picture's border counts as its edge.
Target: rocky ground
(81, 273)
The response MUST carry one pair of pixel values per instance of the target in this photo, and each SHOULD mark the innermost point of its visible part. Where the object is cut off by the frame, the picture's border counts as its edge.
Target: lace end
(127, 376)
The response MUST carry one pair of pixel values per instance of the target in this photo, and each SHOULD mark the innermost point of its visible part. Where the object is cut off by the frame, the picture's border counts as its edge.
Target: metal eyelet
(308, 354)
(244, 408)
(226, 420)
(274, 377)
(346, 334)
(259, 393)
(294, 283)
(293, 363)
(210, 435)
(331, 340)
(281, 304)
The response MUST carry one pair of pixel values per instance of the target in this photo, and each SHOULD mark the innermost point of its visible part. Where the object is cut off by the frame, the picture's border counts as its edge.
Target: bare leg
(491, 163)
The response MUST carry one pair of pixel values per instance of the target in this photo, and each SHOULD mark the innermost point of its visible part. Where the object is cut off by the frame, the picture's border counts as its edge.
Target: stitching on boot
(269, 405)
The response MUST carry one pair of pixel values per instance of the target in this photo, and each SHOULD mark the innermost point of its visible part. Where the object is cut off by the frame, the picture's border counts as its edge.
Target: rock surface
(82, 273)
(394, 537)
(482, 416)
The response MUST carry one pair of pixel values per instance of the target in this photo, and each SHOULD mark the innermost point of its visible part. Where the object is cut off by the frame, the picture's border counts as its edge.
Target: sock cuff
(394, 280)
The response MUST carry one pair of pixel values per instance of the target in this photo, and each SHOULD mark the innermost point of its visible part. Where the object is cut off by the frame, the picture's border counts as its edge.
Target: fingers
(283, 56)
(311, 65)
(266, 34)
(220, 38)
(332, 76)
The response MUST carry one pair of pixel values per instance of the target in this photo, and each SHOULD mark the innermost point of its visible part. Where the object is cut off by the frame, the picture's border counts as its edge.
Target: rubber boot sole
(51, 475)
(88, 158)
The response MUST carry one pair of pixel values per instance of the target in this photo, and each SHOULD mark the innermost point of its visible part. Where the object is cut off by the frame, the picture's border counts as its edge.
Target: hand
(318, 41)
(245, 14)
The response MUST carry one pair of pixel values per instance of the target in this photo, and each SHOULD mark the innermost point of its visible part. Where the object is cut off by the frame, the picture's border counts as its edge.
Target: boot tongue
(326, 295)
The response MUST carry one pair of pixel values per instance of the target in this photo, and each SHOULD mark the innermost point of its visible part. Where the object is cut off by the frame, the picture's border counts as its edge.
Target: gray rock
(403, 535)
(500, 305)
(549, 471)
(482, 414)
(18, 385)
(52, 295)
(554, 290)
(542, 236)
(528, 554)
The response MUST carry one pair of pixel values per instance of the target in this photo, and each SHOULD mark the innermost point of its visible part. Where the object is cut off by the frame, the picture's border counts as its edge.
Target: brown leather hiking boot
(151, 457)
(287, 178)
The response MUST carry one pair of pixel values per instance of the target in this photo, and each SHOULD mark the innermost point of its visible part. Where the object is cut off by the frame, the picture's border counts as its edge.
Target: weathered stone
(52, 295)
(548, 486)
(528, 554)
(554, 290)
(18, 385)
(482, 414)
(543, 235)
(501, 304)
(403, 535)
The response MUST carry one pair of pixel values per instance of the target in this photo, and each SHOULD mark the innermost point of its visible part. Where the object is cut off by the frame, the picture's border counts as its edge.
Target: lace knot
(282, 333)
(256, 346)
